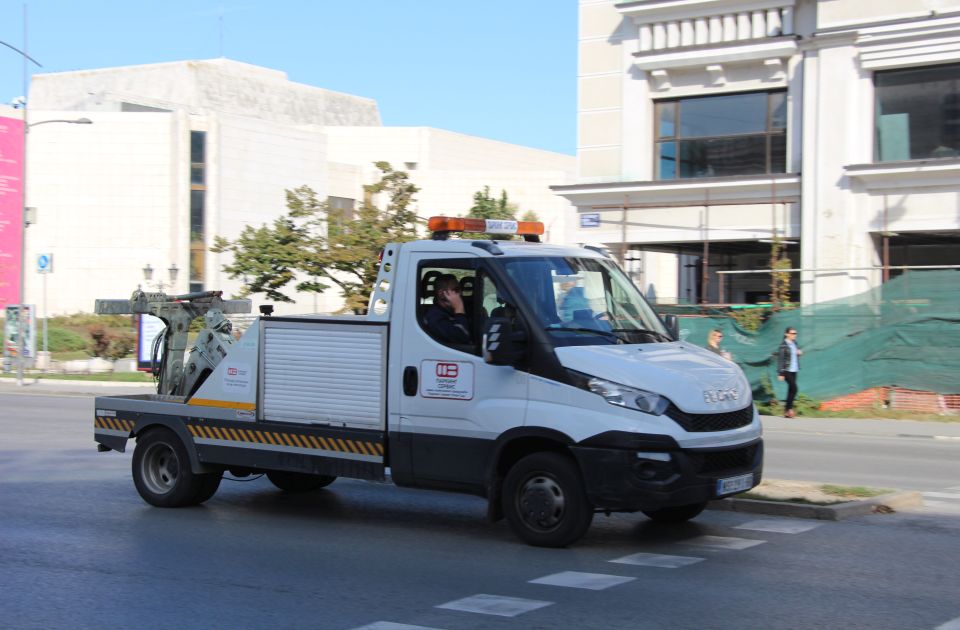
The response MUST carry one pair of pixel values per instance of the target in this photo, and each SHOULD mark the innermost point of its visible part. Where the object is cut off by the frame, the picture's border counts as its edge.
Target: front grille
(715, 461)
(703, 422)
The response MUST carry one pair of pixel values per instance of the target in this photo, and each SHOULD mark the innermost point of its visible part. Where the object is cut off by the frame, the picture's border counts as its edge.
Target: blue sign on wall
(590, 220)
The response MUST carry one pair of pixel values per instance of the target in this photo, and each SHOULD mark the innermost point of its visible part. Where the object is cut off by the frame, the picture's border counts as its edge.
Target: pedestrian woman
(788, 364)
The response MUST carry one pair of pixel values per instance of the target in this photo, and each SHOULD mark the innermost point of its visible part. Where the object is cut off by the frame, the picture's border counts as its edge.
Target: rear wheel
(298, 482)
(545, 502)
(677, 513)
(161, 471)
(208, 487)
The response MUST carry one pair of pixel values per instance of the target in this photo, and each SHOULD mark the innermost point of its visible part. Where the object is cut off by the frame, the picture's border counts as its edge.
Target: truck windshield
(584, 301)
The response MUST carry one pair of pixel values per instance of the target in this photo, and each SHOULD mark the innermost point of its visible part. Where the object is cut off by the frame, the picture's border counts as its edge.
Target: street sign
(45, 263)
(590, 220)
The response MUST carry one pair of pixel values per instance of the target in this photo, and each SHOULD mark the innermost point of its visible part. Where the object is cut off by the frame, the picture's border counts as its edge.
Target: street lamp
(21, 328)
(172, 270)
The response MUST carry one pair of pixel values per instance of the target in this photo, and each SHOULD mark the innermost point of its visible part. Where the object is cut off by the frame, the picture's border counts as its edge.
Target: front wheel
(545, 502)
(677, 513)
(162, 475)
(298, 482)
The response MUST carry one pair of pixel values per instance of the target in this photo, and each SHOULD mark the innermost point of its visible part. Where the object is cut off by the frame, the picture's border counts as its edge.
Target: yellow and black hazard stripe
(273, 437)
(113, 424)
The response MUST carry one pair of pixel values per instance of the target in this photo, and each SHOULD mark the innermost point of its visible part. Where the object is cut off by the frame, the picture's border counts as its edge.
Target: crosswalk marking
(498, 605)
(779, 526)
(662, 561)
(723, 542)
(942, 495)
(953, 624)
(389, 625)
(576, 579)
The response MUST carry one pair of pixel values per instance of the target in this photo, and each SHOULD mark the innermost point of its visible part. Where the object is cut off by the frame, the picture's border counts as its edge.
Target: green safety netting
(905, 333)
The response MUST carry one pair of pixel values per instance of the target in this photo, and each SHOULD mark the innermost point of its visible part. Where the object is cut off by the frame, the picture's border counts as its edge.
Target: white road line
(389, 625)
(576, 579)
(942, 495)
(779, 526)
(722, 542)
(658, 560)
(953, 624)
(495, 605)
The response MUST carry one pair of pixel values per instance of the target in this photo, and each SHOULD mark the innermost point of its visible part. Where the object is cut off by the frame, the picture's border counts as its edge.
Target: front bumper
(630, 480)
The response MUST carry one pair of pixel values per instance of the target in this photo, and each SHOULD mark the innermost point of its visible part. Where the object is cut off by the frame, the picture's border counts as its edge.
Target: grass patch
(857, 492)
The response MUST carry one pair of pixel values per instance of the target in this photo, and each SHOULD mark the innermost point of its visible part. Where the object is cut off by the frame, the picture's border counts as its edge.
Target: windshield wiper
(644, 331)
(602, 333)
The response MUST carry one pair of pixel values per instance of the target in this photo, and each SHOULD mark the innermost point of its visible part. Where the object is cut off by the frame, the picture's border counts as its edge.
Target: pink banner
(11, 208)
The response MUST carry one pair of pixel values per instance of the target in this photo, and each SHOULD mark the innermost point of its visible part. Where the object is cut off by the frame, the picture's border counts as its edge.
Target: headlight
(621, 395)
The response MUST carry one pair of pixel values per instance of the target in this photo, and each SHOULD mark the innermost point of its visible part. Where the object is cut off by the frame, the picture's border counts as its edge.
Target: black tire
(298, 482)
(544, 500)
(161, 471)
(208, 487)
(677, 513)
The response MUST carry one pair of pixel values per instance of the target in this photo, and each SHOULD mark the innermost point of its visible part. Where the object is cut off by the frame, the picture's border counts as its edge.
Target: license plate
(733, 485)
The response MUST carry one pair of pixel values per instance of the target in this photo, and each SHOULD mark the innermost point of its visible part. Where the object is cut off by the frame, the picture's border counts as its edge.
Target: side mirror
(673, 326)
(502, 345)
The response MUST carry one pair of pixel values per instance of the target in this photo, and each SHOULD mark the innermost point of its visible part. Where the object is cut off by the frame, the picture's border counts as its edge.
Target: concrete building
(179, 153)
(708, 128)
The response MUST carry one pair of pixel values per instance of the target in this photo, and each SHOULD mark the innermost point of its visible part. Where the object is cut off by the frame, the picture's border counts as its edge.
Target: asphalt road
(79, 549)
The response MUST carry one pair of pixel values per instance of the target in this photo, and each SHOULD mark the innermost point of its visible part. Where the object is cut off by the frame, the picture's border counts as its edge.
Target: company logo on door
(447, 370)
(446, 379)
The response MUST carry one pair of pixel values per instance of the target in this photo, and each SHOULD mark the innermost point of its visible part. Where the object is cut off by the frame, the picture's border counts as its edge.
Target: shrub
(750, 319)
(100, 339)
(63, 340)
(121, 344)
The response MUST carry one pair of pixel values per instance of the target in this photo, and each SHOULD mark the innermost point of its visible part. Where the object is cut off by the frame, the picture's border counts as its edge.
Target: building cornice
(732, 52)
(783, 188)
(907, 174)
(661, 10)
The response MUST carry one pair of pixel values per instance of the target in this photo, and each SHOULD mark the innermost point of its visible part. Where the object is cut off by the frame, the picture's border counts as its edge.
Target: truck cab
(568, 395)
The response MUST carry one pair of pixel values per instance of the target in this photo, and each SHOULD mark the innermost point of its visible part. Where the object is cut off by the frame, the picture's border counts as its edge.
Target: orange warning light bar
(490, 226)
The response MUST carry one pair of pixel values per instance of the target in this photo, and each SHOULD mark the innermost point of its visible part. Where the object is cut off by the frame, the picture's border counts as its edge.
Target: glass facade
(918, 113)
(716, 136)
(198, 194)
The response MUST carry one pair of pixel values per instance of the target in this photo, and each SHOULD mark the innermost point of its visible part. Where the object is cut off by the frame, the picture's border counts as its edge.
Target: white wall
(109, 200)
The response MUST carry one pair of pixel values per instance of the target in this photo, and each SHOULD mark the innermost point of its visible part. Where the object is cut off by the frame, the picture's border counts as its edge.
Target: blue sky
(500, 69)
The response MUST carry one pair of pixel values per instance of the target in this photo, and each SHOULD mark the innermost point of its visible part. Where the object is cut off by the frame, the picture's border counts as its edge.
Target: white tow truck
(571, 397)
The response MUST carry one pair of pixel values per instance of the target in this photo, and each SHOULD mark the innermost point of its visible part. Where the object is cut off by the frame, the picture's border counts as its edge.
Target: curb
(883, 504)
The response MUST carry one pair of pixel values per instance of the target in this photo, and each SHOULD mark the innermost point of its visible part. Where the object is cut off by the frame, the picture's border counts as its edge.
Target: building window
(198, 195)
(714, 136)
(918, 113)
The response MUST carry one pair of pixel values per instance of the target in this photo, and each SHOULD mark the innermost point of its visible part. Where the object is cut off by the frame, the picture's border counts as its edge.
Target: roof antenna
(221, 30)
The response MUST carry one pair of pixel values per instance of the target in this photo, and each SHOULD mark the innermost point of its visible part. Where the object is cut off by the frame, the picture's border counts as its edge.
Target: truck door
(454, 405)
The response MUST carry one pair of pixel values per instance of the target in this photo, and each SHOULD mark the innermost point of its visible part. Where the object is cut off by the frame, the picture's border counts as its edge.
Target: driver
(446, 319)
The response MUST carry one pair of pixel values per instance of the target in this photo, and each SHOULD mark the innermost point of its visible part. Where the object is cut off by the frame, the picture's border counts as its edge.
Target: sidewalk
(67, 387)
(865, 426)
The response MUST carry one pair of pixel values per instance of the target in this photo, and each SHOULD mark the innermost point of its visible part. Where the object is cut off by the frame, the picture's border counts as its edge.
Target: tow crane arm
(178, 312)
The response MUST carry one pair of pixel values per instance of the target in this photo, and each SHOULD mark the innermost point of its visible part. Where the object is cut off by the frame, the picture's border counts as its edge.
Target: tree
(313, 244)
(779, 279)
(486, 207)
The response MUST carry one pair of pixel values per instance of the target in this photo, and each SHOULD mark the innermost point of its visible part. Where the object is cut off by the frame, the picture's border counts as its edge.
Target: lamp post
(172, 270)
